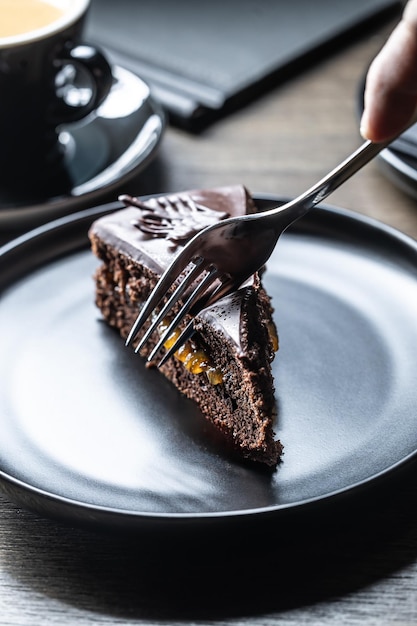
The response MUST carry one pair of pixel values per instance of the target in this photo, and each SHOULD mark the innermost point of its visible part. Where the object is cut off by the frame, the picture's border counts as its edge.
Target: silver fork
(224, 255)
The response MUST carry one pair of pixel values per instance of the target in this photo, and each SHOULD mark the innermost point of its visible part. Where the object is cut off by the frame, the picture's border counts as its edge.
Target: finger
(391, 84)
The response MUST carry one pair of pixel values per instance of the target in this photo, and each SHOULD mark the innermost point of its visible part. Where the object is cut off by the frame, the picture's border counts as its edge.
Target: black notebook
(202, 59)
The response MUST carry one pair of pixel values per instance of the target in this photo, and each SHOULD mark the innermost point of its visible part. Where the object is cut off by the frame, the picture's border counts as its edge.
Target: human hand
(391, 82)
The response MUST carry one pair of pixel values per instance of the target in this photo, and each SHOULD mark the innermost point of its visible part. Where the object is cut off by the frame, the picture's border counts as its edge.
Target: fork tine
(168, 277)
(172, 300)
(201, 287)
(186, 334)
(222, 290)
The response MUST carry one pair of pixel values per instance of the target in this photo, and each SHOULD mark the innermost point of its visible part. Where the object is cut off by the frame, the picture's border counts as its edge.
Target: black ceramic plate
(400, 166)
(89, 434)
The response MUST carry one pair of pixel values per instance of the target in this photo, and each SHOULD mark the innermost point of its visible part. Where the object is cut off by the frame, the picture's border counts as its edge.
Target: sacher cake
(226, 366)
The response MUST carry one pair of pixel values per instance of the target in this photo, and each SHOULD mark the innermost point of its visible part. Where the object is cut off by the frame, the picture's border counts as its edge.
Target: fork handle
(365, 153)
(318, 192)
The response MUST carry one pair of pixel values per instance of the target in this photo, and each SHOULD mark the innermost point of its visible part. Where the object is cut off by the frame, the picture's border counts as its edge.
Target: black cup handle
(89, 60)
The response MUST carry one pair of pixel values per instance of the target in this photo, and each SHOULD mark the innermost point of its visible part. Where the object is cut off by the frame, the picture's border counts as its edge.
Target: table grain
(356, 564)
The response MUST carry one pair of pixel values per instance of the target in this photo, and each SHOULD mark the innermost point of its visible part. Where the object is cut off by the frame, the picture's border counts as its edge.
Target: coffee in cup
(48, 77)
(24, 16)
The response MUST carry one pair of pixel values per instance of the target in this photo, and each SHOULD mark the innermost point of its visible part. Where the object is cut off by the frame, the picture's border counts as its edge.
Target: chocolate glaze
(156, 249)
(176, 218)
(152, 235)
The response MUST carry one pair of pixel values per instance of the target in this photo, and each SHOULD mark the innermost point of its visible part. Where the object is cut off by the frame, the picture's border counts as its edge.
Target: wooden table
(359, 567)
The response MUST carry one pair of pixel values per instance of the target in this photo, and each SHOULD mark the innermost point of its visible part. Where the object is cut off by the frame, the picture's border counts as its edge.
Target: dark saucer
(107, 148)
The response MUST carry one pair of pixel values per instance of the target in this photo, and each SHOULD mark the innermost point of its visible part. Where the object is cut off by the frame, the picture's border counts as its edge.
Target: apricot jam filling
(272, 332)
(193, 357)
(195, 360)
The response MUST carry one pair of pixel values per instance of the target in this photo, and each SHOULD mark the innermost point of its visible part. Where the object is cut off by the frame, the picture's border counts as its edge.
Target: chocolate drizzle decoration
(176, 218)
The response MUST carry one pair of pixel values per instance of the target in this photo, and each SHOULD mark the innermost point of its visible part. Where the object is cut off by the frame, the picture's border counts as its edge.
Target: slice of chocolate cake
(226, 366)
